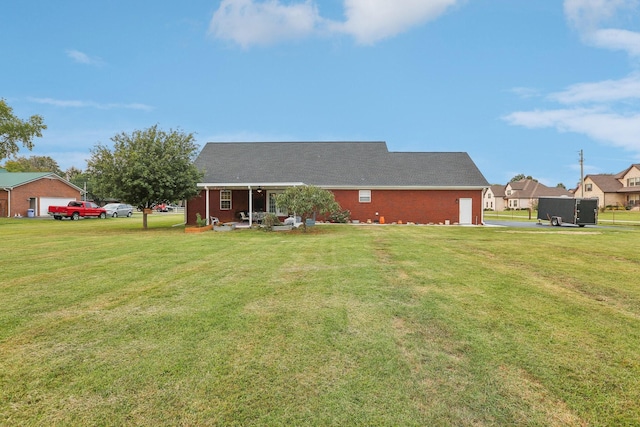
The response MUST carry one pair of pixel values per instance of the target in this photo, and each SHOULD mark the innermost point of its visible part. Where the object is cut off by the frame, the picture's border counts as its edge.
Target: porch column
(250, 206)
(207, 208)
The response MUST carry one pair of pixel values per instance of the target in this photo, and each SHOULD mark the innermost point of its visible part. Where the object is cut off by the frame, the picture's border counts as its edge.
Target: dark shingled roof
(334, 164)
(606, 183)
(530, 189)
(498, 190)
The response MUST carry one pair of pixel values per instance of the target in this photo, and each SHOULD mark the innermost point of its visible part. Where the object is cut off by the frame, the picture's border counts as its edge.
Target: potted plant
(201, 225)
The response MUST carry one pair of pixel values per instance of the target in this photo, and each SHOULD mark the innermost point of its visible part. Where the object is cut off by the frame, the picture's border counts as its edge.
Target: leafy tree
(72, 173)
(145, 168)
(307, 200)
(561, 185)
(521, 176)
(14, 130)
(85, 181)
(33, 164)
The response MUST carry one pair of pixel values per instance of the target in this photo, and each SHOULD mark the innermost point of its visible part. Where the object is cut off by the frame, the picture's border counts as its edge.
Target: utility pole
(581, 174)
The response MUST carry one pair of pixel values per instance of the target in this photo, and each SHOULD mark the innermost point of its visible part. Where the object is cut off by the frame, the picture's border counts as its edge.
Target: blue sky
(520, 85)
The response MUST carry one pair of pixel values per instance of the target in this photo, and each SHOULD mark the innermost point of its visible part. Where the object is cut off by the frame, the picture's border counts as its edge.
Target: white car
(118, 209)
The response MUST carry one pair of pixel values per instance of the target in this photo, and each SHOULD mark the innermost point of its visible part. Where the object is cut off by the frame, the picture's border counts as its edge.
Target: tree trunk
(144, 219)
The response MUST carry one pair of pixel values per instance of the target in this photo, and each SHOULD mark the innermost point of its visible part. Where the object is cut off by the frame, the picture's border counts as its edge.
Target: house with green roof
(241, 179)
(29, 194)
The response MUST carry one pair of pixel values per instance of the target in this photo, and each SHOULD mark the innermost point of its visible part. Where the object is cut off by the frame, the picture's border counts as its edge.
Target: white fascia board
(246, 185)
(407, 187)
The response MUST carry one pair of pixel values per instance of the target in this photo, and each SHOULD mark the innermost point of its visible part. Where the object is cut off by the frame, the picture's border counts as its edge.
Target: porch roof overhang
(246, 185)
(268, 185)
(403, 187)
(634, 189)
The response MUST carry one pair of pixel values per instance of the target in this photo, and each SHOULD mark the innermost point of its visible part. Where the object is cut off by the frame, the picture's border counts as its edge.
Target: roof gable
(530, 189)
(11, 180)
(606, 183)
(334, 164)
(15, 179)
(621, 175)
(498, 190)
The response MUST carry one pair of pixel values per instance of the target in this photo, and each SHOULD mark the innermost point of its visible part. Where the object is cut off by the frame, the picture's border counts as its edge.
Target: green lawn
(608, 217)
(103, 323)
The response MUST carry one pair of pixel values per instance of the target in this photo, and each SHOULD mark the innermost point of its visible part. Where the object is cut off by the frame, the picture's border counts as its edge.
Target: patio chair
(244, 217)
(214, 220)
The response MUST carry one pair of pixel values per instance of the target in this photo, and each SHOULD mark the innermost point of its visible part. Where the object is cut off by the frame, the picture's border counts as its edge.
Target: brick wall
(44, 187)
(419, 206)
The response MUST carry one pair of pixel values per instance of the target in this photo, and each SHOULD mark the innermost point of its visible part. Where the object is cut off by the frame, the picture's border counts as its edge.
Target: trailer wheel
(555, 222)
(581, 225)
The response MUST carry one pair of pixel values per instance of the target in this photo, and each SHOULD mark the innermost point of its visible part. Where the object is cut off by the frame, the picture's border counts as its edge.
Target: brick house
(621, 189)
(24, 192)
(365, 178)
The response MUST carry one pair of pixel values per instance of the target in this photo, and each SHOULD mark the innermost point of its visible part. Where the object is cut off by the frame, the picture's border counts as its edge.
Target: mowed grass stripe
(380, 325)
(524, 309)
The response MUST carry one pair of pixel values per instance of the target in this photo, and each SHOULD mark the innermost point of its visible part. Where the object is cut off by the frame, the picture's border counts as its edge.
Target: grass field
(608, 217)
(103, 323)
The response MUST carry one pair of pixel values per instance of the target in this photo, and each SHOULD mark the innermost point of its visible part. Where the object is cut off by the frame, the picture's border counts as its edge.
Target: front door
(466, 211)
(273, 207)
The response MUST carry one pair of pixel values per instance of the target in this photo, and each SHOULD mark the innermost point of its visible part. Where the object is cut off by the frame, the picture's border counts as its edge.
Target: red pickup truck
(75, 210)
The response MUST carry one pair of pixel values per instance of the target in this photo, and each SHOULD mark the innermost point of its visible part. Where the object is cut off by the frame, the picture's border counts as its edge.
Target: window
(588, 187)
(364, 196)
(633, 182)
(225, 200)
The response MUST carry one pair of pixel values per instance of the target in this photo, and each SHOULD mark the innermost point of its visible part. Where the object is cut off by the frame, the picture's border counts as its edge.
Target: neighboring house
(25, 192)
(524, 194)
(494, 198)
(365, 178)
(622, 189)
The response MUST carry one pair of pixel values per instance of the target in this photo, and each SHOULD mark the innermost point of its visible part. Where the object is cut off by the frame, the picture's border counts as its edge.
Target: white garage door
(45, 202)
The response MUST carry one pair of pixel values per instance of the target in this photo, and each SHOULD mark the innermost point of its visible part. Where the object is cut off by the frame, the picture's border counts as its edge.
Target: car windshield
(110, 206)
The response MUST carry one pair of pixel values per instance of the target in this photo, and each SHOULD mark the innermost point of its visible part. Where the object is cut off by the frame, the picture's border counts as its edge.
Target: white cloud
(90, 104)
(586, 15)
(605, 91)
(372, 20)
(83, 58)
(595, 109)
(247, 22)
(253, 22)
(593, 20)
(617, 129)
(615, 39)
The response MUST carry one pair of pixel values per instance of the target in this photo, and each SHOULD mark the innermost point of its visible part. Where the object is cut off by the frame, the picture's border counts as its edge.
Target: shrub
(340, 216)
(270, 220)
(200, 221)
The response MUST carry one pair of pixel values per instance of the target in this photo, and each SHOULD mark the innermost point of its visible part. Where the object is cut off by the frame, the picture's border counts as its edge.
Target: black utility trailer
(567, 210)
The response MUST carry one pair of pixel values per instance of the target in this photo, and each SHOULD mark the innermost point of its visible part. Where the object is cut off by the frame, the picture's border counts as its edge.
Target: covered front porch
(243, 204)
